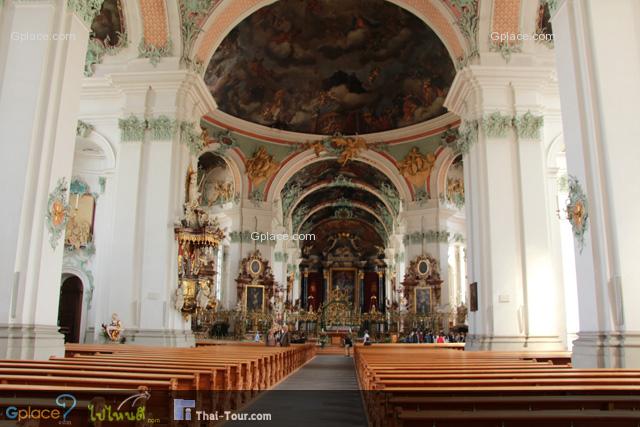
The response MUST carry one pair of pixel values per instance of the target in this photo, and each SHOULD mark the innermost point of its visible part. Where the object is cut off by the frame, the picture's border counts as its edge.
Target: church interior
(354, 212)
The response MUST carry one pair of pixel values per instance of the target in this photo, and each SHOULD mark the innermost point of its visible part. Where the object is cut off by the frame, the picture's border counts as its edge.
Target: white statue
(404, 304)
(179, 302)
(202, 299)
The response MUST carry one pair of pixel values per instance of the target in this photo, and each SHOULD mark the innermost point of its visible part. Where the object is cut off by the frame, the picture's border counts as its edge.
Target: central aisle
(324, 392)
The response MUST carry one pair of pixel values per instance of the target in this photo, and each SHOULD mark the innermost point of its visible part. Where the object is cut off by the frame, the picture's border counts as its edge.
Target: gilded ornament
(577, 211)
(261, 166)
(416, 166)
(57, 212)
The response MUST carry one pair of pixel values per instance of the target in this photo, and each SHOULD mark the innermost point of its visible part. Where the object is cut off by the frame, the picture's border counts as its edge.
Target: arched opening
(70, 308)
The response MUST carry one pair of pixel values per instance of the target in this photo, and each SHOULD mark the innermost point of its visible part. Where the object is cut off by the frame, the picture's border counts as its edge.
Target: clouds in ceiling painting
(328, 66)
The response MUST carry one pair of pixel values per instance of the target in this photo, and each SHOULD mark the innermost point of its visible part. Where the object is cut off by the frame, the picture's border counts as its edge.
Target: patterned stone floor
(324, 392)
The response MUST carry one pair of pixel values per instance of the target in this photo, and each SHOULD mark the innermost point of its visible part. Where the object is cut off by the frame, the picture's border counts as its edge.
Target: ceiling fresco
(310, 66)
(330, 170)
(328, 223)
(344, 194)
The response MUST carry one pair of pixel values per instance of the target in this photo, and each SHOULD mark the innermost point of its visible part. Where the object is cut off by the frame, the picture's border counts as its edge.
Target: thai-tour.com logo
(22, 414)
(182, 409)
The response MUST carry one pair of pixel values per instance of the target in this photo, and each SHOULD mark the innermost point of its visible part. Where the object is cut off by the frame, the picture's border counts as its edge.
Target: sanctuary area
(208, 203)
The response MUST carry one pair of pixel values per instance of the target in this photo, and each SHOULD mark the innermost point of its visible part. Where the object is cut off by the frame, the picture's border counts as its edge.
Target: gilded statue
(416, 166)
(349, 147)
(454, 186)
(78, 233)
(260, 166)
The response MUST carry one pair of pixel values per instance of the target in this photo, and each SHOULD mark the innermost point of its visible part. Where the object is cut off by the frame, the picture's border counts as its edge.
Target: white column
(39, 98)
(599, 86)
(508, 227)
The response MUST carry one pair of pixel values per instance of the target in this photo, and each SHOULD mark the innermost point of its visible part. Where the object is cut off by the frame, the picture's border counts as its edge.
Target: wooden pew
(410, 387)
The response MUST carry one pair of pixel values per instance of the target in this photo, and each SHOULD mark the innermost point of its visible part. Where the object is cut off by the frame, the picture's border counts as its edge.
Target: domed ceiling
(328, 66)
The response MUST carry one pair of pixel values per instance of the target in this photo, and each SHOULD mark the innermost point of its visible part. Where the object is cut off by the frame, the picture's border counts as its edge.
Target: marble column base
(18, 341)
(513, 343)
(607, 350)
(160, 337)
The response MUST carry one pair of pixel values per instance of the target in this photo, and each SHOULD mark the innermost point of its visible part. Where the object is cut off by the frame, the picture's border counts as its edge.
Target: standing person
(348, 343)
(366, 339)
(256, 338)
(284, 337)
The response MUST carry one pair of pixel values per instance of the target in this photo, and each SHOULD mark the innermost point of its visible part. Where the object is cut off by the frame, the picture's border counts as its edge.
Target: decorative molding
(256, 197)
(467, 22)
(86, 10)
(57, 212)
(154, 53)
(497, 124)
(192, 15)
(431, 236)
(83, 129)
(421, 196)
(162, 128)
(189, 137)
(467, 136)
(505, 49)
(97, 49)
(132, 129)
(577, 211)
(528, 126)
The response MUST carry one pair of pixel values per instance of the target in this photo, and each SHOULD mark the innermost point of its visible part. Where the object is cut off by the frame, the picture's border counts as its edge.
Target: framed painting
(473, 296)
(254, 298)
(345, 280)
(422, 301)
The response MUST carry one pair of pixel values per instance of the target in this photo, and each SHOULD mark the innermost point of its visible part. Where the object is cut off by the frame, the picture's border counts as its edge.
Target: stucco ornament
(577, 211)
(416, 166)
(85, 9)
(57, 212)
(261, 166)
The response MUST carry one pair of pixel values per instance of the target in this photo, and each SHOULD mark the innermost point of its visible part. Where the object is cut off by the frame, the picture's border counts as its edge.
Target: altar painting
(422, 301)
(345, 281)
(254, 298)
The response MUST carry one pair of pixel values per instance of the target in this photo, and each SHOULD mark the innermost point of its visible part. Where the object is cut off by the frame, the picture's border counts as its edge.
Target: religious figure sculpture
(191, 207)
(349, 147)
(260, 166)
(179, 300)
(461, 314)
(202, 298)
(416, 166)
(113, 330)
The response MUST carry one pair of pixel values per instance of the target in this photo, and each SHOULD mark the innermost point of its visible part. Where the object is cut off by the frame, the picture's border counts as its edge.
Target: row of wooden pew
(404, 386)
(219, 377)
